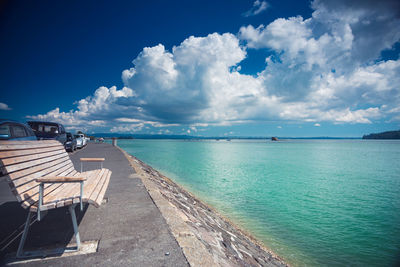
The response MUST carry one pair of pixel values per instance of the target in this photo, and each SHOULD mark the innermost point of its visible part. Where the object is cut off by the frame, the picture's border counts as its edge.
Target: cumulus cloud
(4, 106)
(323, 68)
(178, 86)
(330, 63)
(93, 111)
(258, 7)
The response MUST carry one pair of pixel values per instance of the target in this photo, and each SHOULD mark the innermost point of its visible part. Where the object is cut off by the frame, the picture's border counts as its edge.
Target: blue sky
(240, 68)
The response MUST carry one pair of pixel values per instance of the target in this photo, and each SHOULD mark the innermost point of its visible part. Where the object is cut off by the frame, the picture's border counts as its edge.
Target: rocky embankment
(206, 238)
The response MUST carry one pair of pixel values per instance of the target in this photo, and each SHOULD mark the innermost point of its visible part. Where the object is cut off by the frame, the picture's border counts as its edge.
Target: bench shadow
(55, 230)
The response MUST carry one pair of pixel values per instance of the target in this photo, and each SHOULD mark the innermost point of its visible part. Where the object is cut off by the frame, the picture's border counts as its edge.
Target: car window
(5, 132)
(46, 128)
(62, 129)
(18, 131)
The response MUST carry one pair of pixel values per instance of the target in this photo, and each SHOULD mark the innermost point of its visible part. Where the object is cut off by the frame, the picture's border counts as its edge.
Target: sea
(312, 202)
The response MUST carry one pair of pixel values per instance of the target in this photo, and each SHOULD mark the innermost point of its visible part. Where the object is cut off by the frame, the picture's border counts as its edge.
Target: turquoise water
(313, 202)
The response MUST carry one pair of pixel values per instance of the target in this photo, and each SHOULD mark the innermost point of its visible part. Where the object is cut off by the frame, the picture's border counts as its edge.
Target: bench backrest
(23, 161)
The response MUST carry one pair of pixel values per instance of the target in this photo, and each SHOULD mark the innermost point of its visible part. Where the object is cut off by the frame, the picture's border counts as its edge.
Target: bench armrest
(59, 179)
(92, 159)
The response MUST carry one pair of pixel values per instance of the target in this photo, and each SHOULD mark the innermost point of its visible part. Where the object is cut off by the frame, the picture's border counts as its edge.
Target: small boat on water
(274, 138)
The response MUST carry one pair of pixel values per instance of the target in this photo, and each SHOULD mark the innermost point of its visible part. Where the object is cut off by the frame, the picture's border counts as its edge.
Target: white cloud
(93, 111)
(4, 106)
(200, 124)
(258, 7)
(374, 27)
(319, 70)
(317, 125)
(184, 84)
(130, 128)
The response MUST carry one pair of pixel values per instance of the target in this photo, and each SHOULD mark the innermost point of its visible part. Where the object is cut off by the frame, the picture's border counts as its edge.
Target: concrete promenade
(129, 227)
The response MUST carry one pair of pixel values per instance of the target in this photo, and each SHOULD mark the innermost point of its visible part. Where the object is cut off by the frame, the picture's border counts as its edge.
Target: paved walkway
(129, 226)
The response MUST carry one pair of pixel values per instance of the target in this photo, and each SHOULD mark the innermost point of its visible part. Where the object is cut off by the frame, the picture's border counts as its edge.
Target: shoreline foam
(206, 237)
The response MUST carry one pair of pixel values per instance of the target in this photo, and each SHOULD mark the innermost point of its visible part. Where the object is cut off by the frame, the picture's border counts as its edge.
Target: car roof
(6, 120)
(26, 126)
(45, 122)
(12, 121)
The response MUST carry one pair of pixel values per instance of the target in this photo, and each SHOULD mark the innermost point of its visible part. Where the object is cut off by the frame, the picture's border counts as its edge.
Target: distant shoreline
(390, 135)
(190, 137)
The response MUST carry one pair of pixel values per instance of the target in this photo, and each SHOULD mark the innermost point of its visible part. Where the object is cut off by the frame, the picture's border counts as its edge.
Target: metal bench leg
(20, 251)
(74, 223)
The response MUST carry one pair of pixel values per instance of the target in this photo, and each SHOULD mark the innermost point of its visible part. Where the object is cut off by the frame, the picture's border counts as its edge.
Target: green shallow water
(313, 202)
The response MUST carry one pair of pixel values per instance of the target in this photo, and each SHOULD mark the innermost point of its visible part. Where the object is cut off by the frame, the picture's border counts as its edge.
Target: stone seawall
(206, 237)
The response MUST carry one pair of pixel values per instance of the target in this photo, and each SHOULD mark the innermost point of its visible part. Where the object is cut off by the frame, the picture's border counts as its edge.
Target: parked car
(71, 144)
(84, 139)
(12, 130)
(49, 130)
(79, 140)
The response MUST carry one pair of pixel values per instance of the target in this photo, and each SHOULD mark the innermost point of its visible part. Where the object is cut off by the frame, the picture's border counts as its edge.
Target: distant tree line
(384, 135)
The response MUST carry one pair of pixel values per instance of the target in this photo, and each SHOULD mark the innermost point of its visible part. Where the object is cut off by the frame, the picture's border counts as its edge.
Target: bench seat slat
(27, 190)
(67, 192)
(20, 159)
(100, 195)
(91, 185)
(71, 196)
(32, 195)
(25, 152)
(68, 189)
(54, 194)
(24, 142)
(32, 163)
(97, 190)
(48, 193)
(34, 144)
(39, 168)
(60, 166)
(23, 185)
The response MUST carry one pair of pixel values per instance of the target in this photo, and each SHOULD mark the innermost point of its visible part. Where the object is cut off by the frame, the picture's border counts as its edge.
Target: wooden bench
(42, 177)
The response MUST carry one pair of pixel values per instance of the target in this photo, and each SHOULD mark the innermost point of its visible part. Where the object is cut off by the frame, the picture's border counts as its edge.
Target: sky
(203, 68)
